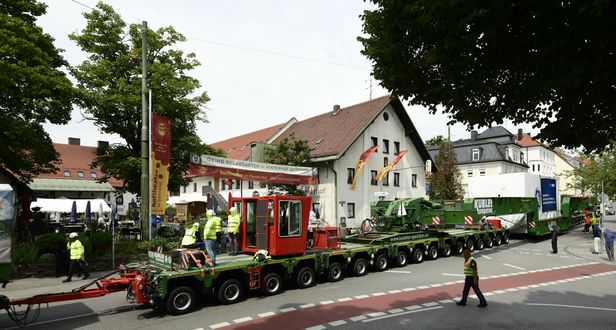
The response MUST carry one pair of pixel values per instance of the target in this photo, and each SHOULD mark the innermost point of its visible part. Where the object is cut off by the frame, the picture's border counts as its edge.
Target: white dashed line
(357, 318)
(362, 296)
(345, 299)
(489, 258)
(487, 294)
(513, 266)
(430, 304)
(266, 314)
(220, 325)
(449, 274)
(398, 271)
(337, 323)
(412, 308)
(407, 312)
(327, 302)
(511, 290)
(446, 301)
(394, 291)
(377, 314)
(435, 285)
(243, 319)
(376, 294)
(409, 289)
(316, 327)
(395, 310)
(286, 310)
(449, 283)
(422, 287)
(307, 305)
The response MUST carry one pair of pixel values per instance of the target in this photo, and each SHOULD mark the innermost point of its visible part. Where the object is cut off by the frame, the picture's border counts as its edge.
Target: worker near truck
(209, 233)
(192, 238)
(471, 280)
(554, 229)
(233, 227)
(596, 233)
(78, 257)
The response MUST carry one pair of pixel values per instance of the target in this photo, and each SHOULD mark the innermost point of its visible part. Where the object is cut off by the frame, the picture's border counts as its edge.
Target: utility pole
(145, 178)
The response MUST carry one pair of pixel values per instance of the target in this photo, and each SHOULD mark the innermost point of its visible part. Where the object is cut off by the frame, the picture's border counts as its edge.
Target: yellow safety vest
(594, 220)
(209, 232)
(233, 223)
(468, 271)
(75, 249)
(189, 237)
(217, 224)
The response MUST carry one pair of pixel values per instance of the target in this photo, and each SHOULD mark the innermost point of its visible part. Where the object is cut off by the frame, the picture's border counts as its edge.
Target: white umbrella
(100, 213)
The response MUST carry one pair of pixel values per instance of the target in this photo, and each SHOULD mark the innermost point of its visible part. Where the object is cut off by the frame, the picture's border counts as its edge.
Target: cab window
(289, 218)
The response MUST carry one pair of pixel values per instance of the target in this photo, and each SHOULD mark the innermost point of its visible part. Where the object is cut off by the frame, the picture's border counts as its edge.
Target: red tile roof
(528, 141)
(239, 147)
(331, 133)
(76, 158)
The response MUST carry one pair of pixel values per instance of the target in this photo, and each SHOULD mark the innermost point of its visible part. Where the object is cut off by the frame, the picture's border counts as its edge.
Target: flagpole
(145, 180)
(150, 164)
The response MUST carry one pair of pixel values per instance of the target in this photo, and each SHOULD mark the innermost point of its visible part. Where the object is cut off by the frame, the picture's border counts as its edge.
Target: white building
(338, 139)
(541, 159)
(565, 164)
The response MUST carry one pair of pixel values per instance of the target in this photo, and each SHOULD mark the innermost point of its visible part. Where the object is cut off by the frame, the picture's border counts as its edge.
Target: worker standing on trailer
(192, 238)
(233, 227)
(209, 233)
(554, 229)
(77, 255)
(471, 280)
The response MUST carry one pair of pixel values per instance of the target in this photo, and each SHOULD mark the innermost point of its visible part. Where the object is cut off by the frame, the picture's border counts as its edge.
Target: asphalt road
(525, 285)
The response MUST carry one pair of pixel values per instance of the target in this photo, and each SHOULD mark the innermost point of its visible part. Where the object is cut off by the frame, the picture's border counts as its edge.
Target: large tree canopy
(551, 63)
(596, 168)
(109, 84)
(33, 90)
(446, 183)
(288, 152)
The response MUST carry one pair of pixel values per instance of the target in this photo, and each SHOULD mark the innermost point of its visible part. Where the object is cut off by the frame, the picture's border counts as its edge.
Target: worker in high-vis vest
(233, 227)
(471, 280)
(209, 233)
(77, 255)
(192, 238)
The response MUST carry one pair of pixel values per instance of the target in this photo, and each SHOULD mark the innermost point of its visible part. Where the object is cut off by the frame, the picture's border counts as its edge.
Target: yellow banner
(161, 157)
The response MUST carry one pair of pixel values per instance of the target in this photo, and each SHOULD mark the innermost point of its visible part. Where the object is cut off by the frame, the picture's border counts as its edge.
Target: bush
(168, 232)
(48, 243)
(47, 258)
(126, 248)
(101, 242)
(87, 245)
(151, 245)
(25, 253)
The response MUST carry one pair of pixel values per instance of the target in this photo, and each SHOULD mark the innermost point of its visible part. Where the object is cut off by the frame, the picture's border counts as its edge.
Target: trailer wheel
(181, 300)
(271, 284)
(479, 244)
(459, 246)
(498, 239)
(506, 239)
(489, 242)
(230, 291)
(401, 259)
(418, 255)
(334, 272)
(305, 277)
(446, 251)
(433, 252)
(360, 267)
(470, 245)
(380, 263)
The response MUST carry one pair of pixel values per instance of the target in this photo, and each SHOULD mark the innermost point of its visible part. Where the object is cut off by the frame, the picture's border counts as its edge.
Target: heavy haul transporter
(276, 252)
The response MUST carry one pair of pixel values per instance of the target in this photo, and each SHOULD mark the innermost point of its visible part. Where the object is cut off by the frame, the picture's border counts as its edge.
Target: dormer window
(476, 154)
(67, 173)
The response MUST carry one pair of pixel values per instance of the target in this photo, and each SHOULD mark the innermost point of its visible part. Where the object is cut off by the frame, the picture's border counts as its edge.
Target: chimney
(74, 141)
(336, 109)
(520, 134)
(473, 135)
(103, 144)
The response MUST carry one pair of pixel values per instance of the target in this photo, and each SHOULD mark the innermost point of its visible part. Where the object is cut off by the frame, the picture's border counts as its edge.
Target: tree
(288, 152)
(438, 140)
(109, 85)
(33, 90)
(594, 169)
(550, 63)
(446, 183)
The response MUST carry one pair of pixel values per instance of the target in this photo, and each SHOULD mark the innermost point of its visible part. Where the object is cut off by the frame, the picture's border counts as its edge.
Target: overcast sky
(263, 62)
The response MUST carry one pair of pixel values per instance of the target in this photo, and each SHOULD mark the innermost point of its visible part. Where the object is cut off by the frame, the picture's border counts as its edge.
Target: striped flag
(390, 166)
(360, 163)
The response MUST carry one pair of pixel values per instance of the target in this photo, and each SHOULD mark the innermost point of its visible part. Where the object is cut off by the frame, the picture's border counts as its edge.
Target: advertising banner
(161, 157)
(548, 195)
(219, 167)
(390, 166)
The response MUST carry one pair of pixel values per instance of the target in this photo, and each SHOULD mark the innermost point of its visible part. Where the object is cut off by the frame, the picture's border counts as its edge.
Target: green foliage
(25, 253)
(126, 247)
(47, 258)
(151, 245)
(101, 242)
(48, 243)
(87, 245)
(596, 168)
(109, 89)
(486, 61)
(446, 183)
(438, 140)
(33, 90)
(288, 152)
(168, 232)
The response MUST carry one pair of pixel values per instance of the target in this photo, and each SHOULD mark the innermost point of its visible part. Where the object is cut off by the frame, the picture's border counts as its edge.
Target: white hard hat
(210, 212)
(196, 224)
(232, 209)
(72, 235)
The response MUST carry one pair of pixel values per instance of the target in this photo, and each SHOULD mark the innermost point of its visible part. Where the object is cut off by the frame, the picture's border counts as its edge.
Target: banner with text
(161, 157)
(219, 167)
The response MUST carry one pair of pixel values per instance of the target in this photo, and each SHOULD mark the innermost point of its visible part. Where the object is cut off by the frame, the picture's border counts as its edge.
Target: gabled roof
(567, 158)
(493, 132)
(330, 134)
(75, 158)
(239, 147)
(528, 141)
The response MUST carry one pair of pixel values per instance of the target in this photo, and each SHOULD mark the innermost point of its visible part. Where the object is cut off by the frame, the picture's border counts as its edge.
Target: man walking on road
(471, 280)
(554, 229)
(609, 243)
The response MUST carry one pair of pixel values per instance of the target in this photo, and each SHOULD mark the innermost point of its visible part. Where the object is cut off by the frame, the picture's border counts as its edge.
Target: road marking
(448, 274)
(220, 325)
(408, 289)
(489, 258)
(267, 314)
(327, 302)
(403, 313)
(337, 323)
(499, 291)
(307, 306)
(412, 308)
(430, 304)
(316, 327)
(286, 310)
(395, 310)
(243, 319)
(394, 291)
(446, 301)
(573, 306)
(512, 289)
(487, 294)
(435, 285)
(512, 266)
(377, 314)
(376, 294)
(449, 283)
(357, 318)
(345, 299)
(362, 296)
(398, 271)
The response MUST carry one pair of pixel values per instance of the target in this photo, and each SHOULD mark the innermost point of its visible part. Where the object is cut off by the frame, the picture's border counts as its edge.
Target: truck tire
(271, 284)
(470, 245)
(401, 258)
(459, 246)
(446, 250)
(380, 262)
(498, 239)
(418, 255)
(489, 242)
(479, 244)
(506, 238)
(305, 277)
(360, 267)
(230, 291)
(181, 300)
(335, 272)
(433, 252)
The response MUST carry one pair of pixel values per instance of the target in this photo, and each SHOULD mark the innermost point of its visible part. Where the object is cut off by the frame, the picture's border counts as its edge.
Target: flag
(360, 163)
(389, 166)
(161, 157)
